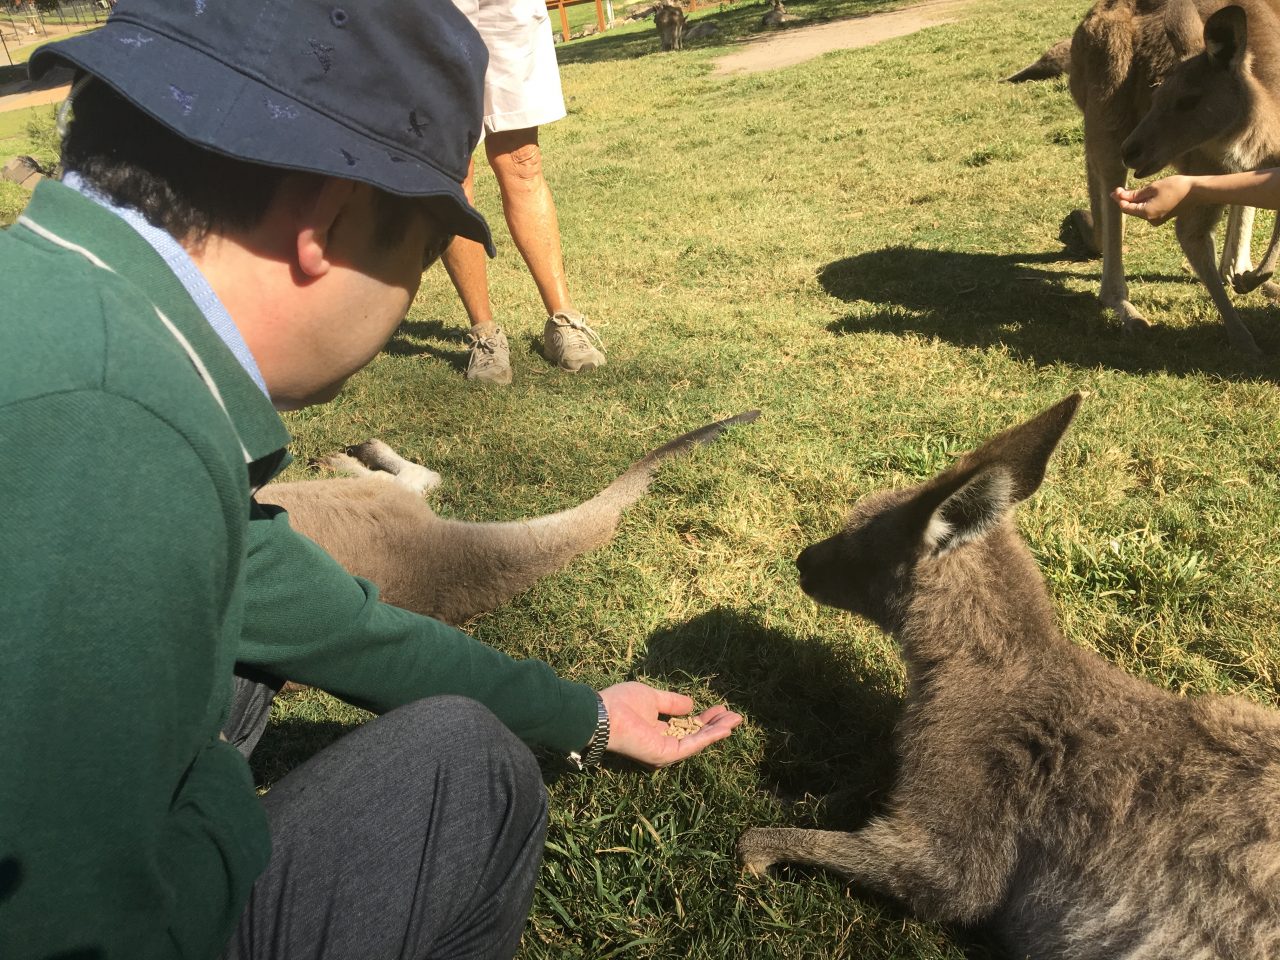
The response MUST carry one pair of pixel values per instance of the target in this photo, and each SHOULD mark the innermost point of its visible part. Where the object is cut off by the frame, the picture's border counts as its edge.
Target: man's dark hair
(180, 187)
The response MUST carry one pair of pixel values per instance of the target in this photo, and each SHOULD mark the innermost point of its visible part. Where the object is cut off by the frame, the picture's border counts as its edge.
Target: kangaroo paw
(378, 456)
(1249, 281)
(754, 852)
(1078, 227)
(1242, 342)
(418, 478)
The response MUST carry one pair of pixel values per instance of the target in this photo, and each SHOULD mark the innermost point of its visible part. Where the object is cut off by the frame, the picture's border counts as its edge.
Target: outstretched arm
(1161, 199)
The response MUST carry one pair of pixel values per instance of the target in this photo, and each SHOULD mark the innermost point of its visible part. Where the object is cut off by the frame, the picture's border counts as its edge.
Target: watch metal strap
(593, 752)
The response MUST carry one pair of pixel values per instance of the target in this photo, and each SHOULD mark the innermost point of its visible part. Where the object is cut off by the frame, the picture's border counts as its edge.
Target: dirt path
(798, 43)
(33, 98)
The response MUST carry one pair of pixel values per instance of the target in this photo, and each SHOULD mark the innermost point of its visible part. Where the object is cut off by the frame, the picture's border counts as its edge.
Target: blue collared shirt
(185, 269)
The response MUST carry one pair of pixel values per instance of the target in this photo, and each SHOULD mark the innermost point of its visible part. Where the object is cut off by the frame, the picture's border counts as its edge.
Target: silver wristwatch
(591, 754)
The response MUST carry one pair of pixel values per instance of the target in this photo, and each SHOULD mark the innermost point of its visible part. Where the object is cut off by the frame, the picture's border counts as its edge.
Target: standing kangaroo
(1076, 811)
(1217, 109)
(669, 18)
(378, 527)
(1121, 54)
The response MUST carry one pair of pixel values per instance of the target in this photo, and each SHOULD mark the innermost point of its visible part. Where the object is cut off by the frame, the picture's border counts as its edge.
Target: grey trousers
(418, 834)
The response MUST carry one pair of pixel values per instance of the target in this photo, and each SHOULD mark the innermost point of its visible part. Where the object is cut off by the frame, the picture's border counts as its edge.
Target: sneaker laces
(484, 349)
(487, 344)
(590, 336)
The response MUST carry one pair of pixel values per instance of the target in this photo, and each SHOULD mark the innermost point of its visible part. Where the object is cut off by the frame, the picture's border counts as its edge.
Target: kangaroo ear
(967, 514)
(1225, 35)
(968, 500)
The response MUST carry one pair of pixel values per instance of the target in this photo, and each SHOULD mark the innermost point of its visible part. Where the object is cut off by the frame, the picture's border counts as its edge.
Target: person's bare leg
(516, 160)
(489, 358)
(464, 261)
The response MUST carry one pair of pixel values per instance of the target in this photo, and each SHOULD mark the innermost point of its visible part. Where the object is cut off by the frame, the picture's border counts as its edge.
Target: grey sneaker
(570, 344)
(490, 357)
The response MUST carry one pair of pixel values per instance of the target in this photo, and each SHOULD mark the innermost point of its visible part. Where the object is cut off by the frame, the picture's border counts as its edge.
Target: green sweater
(135, 572)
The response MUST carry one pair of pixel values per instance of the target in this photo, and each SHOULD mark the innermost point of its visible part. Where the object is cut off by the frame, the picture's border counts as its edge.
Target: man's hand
(1157, 201)
(636, 732)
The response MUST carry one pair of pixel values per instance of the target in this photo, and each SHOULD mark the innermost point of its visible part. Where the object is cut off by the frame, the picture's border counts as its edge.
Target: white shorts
(522, 85)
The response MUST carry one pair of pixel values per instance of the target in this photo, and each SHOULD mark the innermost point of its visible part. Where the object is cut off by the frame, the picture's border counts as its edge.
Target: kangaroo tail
(635, 480)
(1053, 63)
(495, 561)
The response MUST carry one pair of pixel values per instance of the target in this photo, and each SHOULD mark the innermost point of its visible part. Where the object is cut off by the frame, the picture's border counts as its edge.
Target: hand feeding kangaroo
(1222, 119)
(1236, 265)
(378, 527)
(1236, 125)
(1074, 810)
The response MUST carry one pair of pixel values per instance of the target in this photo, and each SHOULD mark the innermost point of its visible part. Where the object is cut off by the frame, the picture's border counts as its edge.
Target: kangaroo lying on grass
(1079, 812)
(378, 527)
(1224, 119)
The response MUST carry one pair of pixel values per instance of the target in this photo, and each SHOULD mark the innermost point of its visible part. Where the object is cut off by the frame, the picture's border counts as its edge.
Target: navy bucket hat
(387, 92)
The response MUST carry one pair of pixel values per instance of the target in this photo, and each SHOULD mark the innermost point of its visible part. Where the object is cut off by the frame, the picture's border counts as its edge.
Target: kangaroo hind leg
(1261, 275)
(1195, 234)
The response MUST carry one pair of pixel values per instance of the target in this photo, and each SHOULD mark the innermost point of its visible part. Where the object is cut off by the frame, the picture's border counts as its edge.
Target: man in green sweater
(254, 188)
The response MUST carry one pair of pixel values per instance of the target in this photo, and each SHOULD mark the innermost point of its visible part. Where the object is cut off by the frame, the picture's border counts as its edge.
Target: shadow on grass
(289, 742)
(987, 300)
(735, 24)
(829, 726)
(407, 341)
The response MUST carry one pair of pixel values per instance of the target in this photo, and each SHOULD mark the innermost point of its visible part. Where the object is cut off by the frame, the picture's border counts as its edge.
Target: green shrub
(12, 199)
(42, 131)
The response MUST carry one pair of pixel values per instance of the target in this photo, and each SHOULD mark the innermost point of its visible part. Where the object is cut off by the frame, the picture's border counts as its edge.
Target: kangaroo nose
(1130, 152)
(804, 559)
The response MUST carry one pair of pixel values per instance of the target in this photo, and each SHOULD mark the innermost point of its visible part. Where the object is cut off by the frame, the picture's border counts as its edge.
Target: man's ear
(318, 211)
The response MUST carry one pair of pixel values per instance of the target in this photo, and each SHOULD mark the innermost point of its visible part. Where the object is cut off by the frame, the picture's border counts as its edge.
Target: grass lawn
(865, 247)
(15, 133)
(27, 131)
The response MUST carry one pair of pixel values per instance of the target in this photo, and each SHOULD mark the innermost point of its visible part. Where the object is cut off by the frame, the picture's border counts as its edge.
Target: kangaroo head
(890, 537)
(1203, 99)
